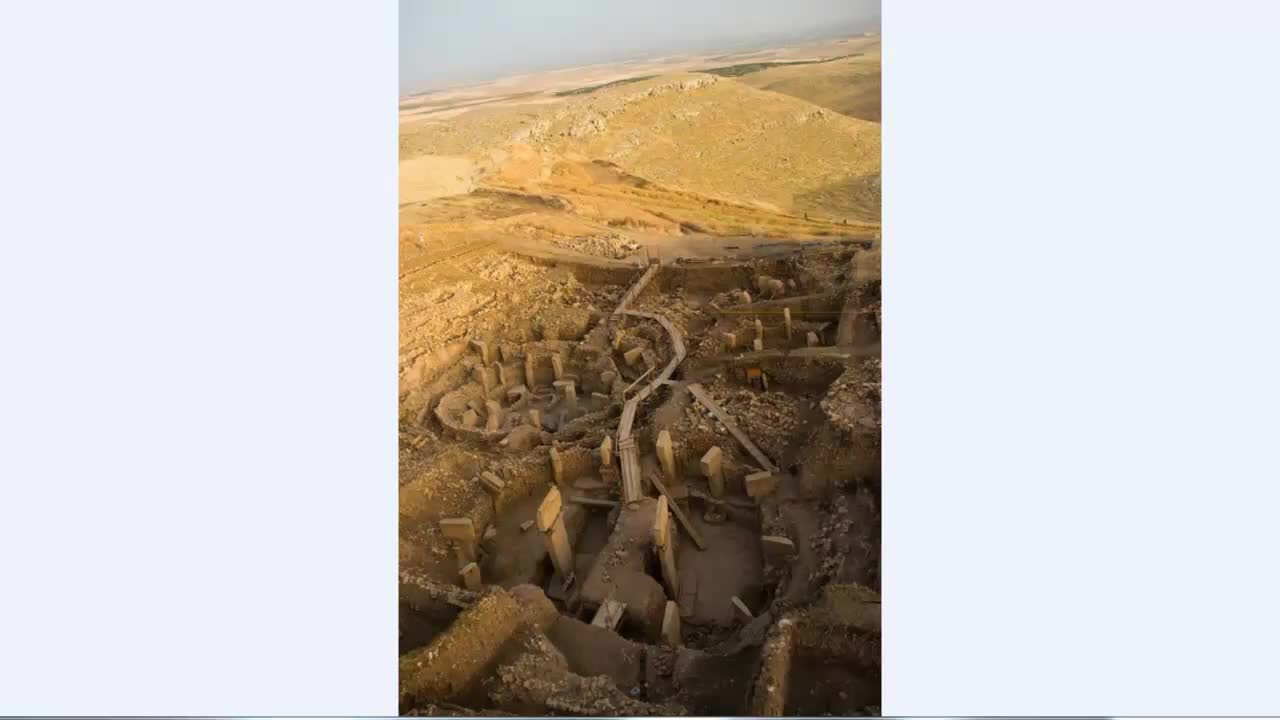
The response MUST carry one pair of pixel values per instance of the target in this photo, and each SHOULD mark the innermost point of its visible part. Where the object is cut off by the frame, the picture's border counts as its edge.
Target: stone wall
(769, 696)
(456, 658)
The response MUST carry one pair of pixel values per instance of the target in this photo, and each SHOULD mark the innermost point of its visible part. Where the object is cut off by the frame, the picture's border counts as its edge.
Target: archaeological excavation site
(644, 486)
(640, 389)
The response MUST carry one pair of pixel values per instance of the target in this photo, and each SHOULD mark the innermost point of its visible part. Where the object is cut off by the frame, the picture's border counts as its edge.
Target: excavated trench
(675, 512)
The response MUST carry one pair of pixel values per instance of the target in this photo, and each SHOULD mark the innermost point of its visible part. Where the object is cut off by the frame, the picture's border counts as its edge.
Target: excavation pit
(662, 500)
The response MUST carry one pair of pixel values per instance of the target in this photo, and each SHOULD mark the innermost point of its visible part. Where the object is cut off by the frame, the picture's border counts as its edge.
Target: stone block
(470, 576)
(491, 482)
(458, 529)
(671, 624)
(760, 484)
(777, 549)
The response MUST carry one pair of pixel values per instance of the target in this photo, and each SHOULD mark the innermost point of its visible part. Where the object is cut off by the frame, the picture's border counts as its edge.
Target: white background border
(198, 376)
(197, 383)
(1081, 368)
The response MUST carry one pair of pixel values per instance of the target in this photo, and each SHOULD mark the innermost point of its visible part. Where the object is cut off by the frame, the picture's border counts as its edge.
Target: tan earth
(626, 291)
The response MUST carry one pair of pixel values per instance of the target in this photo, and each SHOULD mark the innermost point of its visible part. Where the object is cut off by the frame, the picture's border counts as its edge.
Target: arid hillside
(848, 84)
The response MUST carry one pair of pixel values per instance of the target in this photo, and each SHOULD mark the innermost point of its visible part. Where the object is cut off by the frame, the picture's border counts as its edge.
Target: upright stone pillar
(568, 391)
(535, 418)
(757, 344)
(671, 624)
(632, 481)
(811, 339)
(550, 519)
(786, 321)
(759, 329)
(730, 341)
(557, 468)
(666, 456)
(664, 546)
(606, 451)
(528, 372)
(493, 415)
(713, 470)
(557, 366)
(501, 372)
(482, 348)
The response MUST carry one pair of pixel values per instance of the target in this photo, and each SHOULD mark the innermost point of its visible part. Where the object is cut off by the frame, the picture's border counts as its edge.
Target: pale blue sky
(450, 42)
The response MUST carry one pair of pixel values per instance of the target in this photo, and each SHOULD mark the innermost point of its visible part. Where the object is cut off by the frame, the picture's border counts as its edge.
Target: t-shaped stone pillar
(666, 456)
(463, 534)
(557, 366)
(713, 471)
(664, 546)
(567, 390)
(760, 484)
(550, 519)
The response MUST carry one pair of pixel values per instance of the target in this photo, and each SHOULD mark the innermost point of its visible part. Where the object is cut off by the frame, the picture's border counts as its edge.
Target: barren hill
(689, 133)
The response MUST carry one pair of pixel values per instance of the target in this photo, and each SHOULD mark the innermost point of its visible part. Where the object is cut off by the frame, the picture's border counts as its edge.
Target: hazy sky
(448, 42)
